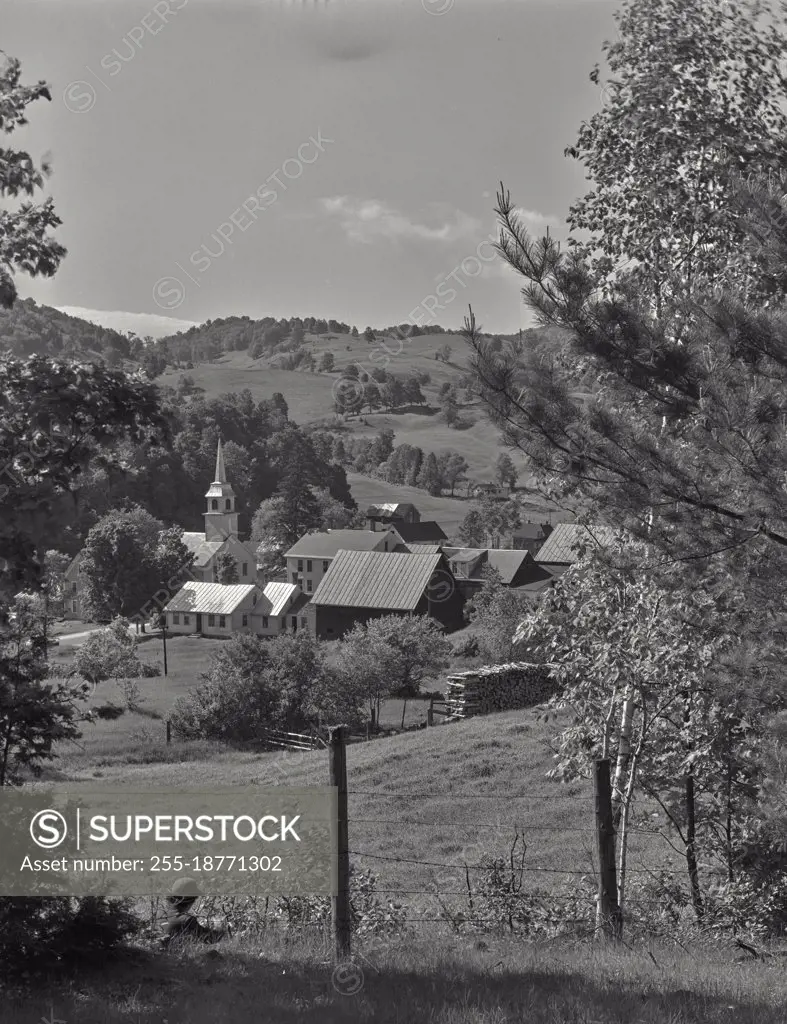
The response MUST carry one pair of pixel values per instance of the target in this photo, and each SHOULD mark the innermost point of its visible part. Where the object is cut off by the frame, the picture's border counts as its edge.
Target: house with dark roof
(309, 559)
(428, 532)
(527, 537)
(364, 585)
(517, 569)
(566, 542)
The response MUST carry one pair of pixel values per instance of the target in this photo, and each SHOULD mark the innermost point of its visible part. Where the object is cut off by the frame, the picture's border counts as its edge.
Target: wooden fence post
(609, 920)
(169, 731)
(430, 712)
(340, 903)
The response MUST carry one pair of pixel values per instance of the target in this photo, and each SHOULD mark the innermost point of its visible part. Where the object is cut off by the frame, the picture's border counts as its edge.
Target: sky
(329, 158)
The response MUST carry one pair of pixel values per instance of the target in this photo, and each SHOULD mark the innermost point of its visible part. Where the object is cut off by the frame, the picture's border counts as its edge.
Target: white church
(205, 606)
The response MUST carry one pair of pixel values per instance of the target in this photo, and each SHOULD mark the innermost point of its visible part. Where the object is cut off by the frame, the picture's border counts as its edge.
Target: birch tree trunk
(624, 753)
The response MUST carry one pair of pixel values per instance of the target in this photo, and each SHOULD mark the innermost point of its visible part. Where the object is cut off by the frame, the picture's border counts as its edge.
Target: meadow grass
(447, 795)
(310, 396)
(436, 978)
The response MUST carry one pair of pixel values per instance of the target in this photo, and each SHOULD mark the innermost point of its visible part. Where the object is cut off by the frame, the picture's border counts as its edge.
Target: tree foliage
(129, 558)
(58, 421)
(25, 241)
(34, 713)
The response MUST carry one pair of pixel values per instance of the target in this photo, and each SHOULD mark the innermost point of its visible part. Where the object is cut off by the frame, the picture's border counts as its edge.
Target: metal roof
(202, 549)
(376, 579)
(210, 598)
(277, 596)
(387, 508)
(561, 545)
(328, 542)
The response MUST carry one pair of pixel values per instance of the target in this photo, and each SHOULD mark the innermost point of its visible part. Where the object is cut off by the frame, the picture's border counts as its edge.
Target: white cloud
(142, 324)
(364, 220)
(535, 221)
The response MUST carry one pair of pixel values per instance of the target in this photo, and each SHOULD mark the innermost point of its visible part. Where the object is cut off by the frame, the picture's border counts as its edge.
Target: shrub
(62, 929)
(467, 648)
(131, 695)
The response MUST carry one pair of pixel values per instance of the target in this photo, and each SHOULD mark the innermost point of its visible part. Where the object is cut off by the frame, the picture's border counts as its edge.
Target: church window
(222, 622)
(265, 622)
(214, 505)
(211, 620)
(245, 569)
(245, 620)
(175, 619)
(227, 504)
(253, 598)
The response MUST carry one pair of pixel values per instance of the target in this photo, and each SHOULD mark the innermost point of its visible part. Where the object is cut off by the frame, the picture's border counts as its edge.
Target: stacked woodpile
(480, 691)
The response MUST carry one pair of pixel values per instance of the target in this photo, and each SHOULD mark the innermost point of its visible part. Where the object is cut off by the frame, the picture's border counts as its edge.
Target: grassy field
(140, 737)
(426, 796)
(432, 977)
(421, 806)
(448, 512)
(310, 396)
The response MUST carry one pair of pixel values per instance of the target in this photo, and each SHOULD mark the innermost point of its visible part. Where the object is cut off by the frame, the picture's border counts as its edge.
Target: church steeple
(221, 519)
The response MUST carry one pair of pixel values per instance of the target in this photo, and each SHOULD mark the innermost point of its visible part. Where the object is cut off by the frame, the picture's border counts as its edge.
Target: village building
(515, 568)
(364, 585)
(495, 492)
(310, 558)
(425, 532)
(391, 513)
(216, 609)
(527, 537)
(72, 595)
(566, 542)
(219, 538)
(221, 535)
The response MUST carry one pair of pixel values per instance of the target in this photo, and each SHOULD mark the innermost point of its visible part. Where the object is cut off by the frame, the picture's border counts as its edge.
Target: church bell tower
(221, 519)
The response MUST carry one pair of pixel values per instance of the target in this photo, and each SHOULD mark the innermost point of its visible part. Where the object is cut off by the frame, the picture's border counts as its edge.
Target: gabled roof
(513, 566)
(388, 508)
(412, 533)
(561, 548)
(210, 598)
(276, 597)
(202, 549)
(376, 579)
(430, 548)
(327, 543)
(463, 554)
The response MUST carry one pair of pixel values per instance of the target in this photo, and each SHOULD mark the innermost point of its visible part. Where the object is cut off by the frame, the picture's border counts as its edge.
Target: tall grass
(430, 978)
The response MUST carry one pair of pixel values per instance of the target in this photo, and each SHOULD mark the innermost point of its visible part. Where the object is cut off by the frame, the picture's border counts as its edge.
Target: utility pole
(163, 623)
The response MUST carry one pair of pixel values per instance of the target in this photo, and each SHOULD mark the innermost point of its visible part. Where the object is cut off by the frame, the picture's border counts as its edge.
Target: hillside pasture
(310, 396)
(446, 794)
